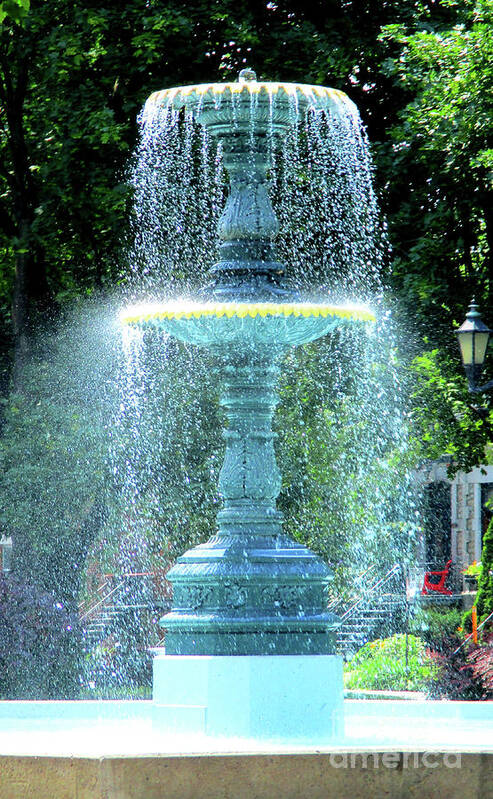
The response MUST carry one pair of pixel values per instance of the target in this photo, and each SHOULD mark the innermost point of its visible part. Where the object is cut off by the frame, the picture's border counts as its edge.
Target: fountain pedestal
(250, 589)
(289, 698)
(249, 641)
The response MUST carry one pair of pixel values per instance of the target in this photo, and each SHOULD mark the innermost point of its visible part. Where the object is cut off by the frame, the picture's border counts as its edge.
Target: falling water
(330, 235)
(342, 422)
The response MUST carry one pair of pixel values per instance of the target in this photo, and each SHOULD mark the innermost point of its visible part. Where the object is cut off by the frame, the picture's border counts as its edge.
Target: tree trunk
(30, 291)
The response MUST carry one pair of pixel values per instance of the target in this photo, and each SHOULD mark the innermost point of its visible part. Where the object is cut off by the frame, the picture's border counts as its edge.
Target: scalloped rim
(311, 93)
(241, 310)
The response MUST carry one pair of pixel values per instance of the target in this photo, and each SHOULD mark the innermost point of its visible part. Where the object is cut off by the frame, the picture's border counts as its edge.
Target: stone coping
(309, 776)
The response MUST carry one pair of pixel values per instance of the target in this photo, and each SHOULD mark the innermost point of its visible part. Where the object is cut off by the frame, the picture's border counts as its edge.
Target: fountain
(250, 606)
(248, 693)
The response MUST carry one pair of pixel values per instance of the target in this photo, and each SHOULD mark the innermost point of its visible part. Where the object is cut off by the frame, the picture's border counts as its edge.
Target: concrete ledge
(406, 696)
(341, 775)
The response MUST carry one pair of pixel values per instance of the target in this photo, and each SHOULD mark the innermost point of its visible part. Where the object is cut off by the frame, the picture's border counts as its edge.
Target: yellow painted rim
(250, 87)
(242, 310)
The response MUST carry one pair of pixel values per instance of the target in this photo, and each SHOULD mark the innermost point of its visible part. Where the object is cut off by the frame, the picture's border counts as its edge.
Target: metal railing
(89, 613)
(359, 586)
(87, 610)
(372, 590)
(480, 627)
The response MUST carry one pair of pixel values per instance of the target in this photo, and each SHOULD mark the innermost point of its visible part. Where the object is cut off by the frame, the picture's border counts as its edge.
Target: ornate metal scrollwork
(196, 596)
(235, 595)
(284, 597)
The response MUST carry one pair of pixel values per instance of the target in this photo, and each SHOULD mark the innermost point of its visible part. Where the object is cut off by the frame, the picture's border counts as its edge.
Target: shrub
(465, 673)
(381, 665)
(435, 625)
(480, 659)
(484, 598)
(473, 570)
(38, 645)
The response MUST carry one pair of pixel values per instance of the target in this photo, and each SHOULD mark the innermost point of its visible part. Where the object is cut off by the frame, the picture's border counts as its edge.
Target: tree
(484, 598)
(444, 134)
(53, 455)
(437, 163)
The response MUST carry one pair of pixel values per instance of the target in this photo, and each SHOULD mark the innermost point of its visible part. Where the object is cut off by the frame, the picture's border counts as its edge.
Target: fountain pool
(119, 750)
(112, 728)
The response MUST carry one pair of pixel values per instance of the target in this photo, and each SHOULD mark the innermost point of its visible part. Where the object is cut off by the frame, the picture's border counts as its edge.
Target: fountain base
(288, 698)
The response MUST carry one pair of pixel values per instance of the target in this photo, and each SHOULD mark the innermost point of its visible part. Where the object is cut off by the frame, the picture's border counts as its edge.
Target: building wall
(468, 492)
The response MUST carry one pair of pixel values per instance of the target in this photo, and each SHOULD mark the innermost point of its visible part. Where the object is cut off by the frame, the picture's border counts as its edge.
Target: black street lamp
(473, 336)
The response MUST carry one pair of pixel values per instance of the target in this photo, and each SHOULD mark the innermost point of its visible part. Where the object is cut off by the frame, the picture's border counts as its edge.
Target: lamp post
(473, 336)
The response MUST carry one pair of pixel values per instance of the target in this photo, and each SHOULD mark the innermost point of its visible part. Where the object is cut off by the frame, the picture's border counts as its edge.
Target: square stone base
(262, 697)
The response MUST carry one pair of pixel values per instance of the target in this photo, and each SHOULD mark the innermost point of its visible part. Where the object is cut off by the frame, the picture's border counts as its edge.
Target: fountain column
(250, 589)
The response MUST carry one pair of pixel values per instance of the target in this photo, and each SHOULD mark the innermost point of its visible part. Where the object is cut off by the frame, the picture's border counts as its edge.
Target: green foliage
(436, 163)
(52, 456)
(443, 418)
(14, 10)
(484, 598)
(435, 625)
(473, 570)
(381, 665)
(443, 136)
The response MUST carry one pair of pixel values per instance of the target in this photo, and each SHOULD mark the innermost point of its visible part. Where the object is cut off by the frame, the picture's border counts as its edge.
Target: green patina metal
(250, 589)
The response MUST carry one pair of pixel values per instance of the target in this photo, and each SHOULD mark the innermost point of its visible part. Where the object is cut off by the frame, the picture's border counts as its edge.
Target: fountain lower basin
(126, 728)
(119, 750)
(226, 325)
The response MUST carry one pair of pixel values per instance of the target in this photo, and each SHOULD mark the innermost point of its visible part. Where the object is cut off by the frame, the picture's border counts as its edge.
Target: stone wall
(467, 498)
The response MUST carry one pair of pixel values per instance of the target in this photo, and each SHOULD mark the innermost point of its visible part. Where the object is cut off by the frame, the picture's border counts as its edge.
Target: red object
(438, 586)
(475, 624)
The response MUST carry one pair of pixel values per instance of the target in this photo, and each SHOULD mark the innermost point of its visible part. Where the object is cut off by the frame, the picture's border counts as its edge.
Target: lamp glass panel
(465, 343)
(480, 345)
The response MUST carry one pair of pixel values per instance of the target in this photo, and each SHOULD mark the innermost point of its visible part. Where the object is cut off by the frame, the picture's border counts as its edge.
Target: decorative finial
(247, 75)
(473, 309)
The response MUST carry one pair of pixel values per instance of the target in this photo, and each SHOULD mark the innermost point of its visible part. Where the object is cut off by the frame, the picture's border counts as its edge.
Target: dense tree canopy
(438, 160)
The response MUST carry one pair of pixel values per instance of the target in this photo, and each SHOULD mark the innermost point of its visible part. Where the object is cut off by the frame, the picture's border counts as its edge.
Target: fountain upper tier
(249, 119)
(271, 105)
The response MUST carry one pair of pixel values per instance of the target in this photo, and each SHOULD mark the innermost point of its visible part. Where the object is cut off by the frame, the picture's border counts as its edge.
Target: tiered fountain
(248, 695)
(250, 645)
